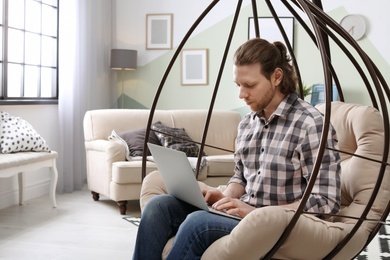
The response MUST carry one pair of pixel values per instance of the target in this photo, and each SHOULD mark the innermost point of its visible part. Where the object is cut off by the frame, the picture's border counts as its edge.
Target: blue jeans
(165, 216)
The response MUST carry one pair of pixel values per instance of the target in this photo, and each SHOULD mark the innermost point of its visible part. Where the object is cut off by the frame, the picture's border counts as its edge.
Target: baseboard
(31, 191)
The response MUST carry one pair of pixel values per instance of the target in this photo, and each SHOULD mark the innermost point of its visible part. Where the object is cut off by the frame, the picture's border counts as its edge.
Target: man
(277, 144)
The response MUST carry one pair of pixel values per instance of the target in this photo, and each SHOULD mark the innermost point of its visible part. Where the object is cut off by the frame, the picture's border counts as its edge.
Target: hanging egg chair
(323, 32)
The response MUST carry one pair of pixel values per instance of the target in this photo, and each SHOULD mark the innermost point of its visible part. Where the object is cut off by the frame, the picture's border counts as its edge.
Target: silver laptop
(179, 178)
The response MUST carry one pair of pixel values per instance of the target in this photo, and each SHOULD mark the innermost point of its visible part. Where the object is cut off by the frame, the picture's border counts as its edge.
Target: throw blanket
(194, 160)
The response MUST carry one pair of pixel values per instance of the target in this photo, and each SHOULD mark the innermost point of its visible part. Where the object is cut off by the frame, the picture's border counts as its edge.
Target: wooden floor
(79, 228)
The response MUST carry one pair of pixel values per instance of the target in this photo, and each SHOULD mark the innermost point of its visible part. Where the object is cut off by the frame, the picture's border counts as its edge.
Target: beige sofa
(360, 131)
(111, 175)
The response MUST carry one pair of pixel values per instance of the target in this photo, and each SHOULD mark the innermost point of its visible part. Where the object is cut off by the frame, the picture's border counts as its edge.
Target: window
(28, 56)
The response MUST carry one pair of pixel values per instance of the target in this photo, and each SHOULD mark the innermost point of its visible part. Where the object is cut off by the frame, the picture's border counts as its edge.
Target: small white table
(21, 162)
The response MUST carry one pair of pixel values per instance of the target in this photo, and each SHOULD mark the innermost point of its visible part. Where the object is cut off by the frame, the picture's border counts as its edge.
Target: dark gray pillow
(175, 138)
(135, 140)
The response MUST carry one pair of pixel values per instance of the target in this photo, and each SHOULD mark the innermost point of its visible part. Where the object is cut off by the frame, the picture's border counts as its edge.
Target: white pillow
(17, 135)
(114, 136)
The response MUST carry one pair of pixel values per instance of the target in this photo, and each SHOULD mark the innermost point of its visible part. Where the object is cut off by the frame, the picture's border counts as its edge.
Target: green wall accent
(129, 102)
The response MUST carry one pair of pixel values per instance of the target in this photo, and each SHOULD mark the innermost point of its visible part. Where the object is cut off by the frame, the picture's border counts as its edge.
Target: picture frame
(269, 30)
(194, 67)
(159, 31)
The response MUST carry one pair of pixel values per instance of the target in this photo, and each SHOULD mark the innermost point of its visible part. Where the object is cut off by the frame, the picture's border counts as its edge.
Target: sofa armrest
(114, 151)
(100, 155)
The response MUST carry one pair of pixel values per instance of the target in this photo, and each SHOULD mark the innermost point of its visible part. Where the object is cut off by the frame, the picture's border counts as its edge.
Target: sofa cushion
(124, 172)
(129, 172)
(220, 165)
(175, 138)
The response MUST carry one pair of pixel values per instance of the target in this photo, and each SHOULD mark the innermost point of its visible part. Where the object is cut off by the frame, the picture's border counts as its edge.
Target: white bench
(18, 163)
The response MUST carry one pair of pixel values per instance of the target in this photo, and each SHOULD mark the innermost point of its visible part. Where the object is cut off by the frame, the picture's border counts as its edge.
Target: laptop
(179, 178)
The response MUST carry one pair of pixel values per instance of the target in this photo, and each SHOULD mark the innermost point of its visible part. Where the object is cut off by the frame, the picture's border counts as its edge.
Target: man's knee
(153, 205)
(196, 222)
(199, 215)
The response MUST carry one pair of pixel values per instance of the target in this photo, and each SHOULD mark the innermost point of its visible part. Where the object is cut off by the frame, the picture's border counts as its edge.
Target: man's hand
(233, 206)
(220, 202)
(212, 196)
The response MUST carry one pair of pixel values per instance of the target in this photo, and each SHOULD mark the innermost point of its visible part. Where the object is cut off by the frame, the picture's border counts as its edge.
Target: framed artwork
(269, 30)
(159, 31)
(194, 67)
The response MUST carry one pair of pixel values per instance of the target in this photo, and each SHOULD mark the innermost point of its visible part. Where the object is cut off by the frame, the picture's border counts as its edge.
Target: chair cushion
(360, 131)
(257, 233)
(24, 158)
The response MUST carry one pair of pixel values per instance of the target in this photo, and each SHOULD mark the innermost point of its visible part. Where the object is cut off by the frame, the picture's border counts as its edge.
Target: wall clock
(354, 25)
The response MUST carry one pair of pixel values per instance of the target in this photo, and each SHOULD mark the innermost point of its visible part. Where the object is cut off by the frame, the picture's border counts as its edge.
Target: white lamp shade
(123, 59)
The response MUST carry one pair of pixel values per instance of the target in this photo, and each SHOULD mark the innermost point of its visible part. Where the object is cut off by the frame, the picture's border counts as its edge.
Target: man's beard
(265, 100)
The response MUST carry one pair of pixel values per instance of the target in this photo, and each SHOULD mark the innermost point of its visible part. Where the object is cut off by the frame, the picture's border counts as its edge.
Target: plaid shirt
(274, 159)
